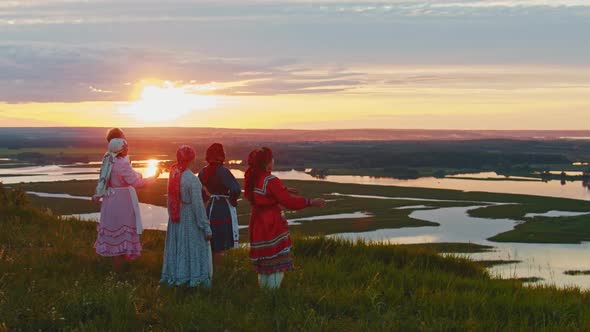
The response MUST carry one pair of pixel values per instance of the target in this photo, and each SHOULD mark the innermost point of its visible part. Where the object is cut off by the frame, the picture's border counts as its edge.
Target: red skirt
(270, 244)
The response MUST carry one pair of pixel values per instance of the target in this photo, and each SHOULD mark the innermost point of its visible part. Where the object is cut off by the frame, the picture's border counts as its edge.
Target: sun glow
(151, 168)
(166, 101)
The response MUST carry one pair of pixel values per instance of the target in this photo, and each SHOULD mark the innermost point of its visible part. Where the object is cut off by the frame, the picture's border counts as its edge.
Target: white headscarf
(116, 146)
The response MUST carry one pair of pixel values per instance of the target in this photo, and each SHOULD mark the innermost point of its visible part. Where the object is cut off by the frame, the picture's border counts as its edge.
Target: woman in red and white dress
(270, 244)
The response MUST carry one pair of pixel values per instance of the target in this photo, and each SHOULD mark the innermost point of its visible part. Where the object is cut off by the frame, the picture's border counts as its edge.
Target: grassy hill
(51, 279)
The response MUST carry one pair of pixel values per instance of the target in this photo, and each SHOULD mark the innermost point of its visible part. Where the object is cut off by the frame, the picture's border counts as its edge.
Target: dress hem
(191, 282)
(127, 248)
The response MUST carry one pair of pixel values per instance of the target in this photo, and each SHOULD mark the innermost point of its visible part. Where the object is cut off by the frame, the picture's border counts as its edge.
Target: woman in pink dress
(120, 220)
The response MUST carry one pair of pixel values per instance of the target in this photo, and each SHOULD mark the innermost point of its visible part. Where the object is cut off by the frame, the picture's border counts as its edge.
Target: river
(547, 261)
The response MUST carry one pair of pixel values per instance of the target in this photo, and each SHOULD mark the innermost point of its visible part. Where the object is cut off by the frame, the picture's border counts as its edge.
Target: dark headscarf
(215, 157)
(215, 154)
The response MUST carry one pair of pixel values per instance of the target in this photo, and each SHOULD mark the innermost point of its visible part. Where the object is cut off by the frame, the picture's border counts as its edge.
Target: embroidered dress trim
(279, 264)
(101, 230)
(285, 251)
(220, 222)
(128, 248)
(264, 186)
(270, 243)
(190, 281)
(105, 243)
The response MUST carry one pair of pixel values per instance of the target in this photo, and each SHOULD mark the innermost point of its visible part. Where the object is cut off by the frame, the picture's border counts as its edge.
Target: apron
(234, 216)
(134, 202)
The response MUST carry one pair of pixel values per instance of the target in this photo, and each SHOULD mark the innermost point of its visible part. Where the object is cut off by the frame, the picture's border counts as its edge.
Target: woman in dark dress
(221, 191)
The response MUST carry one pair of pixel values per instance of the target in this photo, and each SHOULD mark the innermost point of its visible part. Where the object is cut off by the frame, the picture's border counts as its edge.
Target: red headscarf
(184, 156)
(258, 160)
(215, 156)
(115, 133)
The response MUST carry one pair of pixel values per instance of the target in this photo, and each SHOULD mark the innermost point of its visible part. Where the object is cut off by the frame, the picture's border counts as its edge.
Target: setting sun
(165, 102)
(151, 168)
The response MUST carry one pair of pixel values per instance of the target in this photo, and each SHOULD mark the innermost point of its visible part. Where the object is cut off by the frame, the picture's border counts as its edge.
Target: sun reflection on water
(151, 168)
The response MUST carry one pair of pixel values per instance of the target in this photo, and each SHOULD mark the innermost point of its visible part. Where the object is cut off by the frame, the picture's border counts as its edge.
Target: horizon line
(303, 129)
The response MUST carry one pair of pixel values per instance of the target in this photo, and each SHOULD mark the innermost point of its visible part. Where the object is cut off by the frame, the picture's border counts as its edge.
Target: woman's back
(187, 257)
(222, 193)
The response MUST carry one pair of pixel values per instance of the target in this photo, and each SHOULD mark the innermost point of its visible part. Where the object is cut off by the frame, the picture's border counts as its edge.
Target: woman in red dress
(270, 244)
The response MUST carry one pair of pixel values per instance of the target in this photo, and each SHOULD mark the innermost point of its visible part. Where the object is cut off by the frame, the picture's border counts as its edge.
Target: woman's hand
(158, 172)
(318, 202)
(96, 199)
(208, 237)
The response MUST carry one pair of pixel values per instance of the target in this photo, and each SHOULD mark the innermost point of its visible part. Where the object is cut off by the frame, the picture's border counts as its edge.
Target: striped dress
(270, 244)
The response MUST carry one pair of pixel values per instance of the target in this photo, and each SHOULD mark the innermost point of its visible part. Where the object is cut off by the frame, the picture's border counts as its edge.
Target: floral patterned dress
(187, 254)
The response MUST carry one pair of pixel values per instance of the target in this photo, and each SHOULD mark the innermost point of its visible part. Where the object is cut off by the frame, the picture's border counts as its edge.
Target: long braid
(257, 162)
(250, 177)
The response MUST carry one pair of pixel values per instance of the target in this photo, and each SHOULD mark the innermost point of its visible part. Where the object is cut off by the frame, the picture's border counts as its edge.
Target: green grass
(491, 263)
(549, 230)
(417, 171)
(52, 280)
(494, 179)
(61, 206)
(577, 272)
(558, 167)
(518, 211)
(449, 247)
(540, 229)
(14, 165)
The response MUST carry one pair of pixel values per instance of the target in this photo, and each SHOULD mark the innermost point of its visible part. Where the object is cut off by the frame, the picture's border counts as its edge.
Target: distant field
(496, 179)
(541, 229)
(549, 230)
(62, 206)
(19, 175)
(384, 213)
(68, 150)
(378, 153)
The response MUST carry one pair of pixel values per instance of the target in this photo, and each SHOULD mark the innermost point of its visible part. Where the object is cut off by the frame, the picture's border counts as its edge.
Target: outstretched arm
(281, 193)
(134, 178)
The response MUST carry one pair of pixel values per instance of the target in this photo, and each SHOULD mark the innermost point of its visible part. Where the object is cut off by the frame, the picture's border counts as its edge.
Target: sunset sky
(448, 64)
